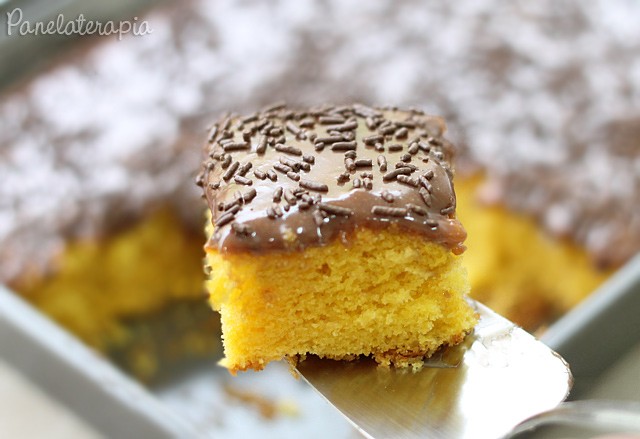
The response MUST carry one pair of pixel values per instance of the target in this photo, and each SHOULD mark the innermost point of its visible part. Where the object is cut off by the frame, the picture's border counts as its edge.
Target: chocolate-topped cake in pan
(334, 233)
(98, 152)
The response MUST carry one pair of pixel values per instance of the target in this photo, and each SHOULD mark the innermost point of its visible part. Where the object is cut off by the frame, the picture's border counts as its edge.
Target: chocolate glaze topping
(324, 183)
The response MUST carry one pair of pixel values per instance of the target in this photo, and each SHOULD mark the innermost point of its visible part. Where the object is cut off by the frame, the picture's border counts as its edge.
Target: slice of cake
(334, 233)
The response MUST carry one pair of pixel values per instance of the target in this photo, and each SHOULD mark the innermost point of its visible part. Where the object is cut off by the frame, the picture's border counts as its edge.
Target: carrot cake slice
(333, 232)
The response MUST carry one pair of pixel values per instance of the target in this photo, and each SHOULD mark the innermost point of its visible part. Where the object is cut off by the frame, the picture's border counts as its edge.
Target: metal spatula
(483, 388)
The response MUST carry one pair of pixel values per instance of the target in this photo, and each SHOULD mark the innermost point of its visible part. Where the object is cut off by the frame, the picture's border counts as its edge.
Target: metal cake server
(483, 388)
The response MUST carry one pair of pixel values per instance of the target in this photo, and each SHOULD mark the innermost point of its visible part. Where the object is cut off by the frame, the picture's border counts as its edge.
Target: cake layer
(385, 294)
(112, 291)
(518, 269)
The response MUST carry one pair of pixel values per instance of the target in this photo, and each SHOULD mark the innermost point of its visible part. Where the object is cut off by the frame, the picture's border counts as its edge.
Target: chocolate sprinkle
(243, 169)
(372, 140)
(402, 133)
(329, 140)
(362, 163)
(294, 165)
(308, 122)
(335, 210)
(425, 184)
(344, 127)
(249, 195)
(242, 180)
(350, 164)
(448, 210)
(408, 180)
(426, 196)
(281, 167)
(382, 163)
(406, 165)
(236, 146)
(343, 146)
(417, 209)
(389, 211)
(288, 149)
(387, 129)
(314, 185)
(230, 171)
(344, 177)
(277, 194)
(262, 145)
(289, 197)
(392, 175)
(329, 120)
(225, 218)
(295, 130)
(213, 133)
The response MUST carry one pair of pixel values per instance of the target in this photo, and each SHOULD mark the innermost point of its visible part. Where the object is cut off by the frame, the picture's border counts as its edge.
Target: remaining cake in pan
(96, 152)
(125, 295)
(334, 233)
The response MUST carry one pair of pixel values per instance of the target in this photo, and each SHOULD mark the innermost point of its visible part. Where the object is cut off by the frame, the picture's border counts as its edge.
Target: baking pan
(79, 378)
(205, 400)
(601, 329)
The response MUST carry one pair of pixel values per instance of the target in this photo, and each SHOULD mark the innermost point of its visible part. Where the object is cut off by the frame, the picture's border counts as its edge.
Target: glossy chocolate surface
(285, 180)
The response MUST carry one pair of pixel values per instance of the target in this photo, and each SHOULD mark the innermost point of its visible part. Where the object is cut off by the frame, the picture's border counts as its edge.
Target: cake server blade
(498, 377)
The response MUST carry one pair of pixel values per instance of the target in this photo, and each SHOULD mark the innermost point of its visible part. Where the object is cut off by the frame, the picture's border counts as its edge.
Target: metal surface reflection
(500, 376)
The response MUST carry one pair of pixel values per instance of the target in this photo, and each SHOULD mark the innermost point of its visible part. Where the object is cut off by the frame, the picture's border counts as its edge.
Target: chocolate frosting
(285, 180)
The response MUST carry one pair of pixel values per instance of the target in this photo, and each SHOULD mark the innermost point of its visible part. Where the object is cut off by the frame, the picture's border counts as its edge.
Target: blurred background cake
(100, 149)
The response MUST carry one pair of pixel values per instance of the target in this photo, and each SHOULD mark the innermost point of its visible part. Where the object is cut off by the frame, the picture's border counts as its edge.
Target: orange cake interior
(516, 268)
(139, 302)
(386, 294)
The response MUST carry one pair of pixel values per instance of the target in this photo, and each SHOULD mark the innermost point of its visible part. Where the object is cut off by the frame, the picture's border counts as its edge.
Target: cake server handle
(500, 376)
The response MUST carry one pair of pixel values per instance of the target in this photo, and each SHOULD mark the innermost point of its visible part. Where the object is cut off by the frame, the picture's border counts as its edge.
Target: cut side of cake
(332, 232)
(139, 303)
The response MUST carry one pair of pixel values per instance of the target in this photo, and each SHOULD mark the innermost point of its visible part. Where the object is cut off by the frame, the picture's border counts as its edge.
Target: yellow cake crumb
(387, 294)
(104, 290)
(515, 267)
